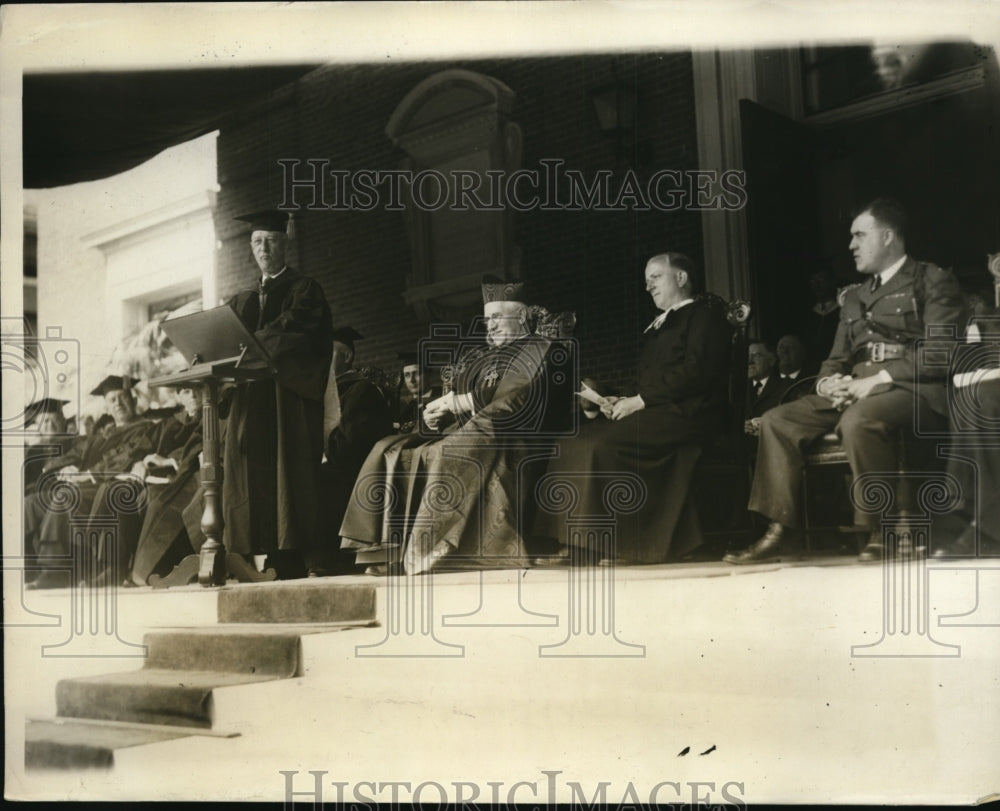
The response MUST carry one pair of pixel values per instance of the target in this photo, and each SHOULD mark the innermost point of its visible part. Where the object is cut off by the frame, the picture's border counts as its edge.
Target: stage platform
(814, 680)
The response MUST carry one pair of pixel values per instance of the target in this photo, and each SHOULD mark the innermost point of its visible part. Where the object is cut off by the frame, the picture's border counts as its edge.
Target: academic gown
(364, 419)
(163, 541)
(104, 457)
(274, 441)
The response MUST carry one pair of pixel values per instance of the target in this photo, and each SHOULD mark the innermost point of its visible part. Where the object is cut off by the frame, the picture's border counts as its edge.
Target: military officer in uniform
(866, 387)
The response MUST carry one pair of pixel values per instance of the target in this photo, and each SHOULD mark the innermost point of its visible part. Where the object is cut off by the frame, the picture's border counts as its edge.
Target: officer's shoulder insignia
(843, 291)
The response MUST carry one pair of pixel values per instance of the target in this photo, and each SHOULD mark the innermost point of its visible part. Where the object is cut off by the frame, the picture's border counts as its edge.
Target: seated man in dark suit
(682, 402)
(766, 385)
(867, 386)
(793, 363)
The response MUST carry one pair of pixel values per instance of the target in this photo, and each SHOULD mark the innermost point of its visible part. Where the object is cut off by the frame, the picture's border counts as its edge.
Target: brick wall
(587, 261)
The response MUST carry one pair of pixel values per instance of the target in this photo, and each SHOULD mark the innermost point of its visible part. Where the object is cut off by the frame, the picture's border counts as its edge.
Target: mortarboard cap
(347, 336)
(113, 383)
(267, 220)
(496, 289)
(47, 405)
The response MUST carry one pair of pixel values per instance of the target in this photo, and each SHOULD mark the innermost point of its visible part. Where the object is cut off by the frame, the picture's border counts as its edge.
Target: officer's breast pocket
(852, 310)
(899, 311)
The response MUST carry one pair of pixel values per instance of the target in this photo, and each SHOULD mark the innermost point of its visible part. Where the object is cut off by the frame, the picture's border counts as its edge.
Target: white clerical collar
(275, 276)
(791, 375)
(890, 271)
(658, 321)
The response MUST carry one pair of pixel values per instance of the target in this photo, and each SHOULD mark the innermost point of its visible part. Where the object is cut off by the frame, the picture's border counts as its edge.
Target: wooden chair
(828, 451)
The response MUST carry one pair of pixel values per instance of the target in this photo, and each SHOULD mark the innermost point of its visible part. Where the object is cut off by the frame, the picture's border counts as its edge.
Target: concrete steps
(62, 744)
(258, 639)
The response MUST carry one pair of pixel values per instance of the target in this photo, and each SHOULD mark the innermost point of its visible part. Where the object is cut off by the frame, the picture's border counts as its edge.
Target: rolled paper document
(588, 393)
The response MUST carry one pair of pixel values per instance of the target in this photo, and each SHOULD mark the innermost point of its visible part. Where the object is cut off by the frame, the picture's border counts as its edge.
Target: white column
(721, 79)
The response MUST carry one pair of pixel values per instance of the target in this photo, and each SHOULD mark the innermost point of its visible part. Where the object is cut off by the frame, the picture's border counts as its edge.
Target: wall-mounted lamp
(615, 109)
(614, 106)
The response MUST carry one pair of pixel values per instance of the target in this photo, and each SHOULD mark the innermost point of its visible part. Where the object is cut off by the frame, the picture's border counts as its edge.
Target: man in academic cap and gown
(171, 484)
(90, 463)
(364, 419)
(274, 442)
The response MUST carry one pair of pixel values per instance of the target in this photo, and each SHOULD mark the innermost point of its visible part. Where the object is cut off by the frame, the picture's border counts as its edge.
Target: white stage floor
(503, 678)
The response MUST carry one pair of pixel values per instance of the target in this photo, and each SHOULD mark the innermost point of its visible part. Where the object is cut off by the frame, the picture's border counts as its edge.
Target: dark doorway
(783, 217)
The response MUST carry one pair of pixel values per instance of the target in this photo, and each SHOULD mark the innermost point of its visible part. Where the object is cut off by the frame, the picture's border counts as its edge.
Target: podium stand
(220, 350)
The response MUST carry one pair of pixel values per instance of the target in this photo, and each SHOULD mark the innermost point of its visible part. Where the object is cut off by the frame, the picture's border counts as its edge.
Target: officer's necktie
(876, 282)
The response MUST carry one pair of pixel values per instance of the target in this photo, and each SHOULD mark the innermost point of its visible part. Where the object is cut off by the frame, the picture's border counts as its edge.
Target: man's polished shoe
(385, 569)
(873, 551)
(770, 548)
(50, 579)
(560, 558)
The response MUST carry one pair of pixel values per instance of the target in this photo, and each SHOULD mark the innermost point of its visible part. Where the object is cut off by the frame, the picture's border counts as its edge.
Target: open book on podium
(215, 343)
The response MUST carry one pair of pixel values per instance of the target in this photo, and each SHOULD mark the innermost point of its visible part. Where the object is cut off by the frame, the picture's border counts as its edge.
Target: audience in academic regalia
(91, 465)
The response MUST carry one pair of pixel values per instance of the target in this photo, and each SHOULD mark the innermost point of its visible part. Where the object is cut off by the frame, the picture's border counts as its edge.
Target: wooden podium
(220, 350)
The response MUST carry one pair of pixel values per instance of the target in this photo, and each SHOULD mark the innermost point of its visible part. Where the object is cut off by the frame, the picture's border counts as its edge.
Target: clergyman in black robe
(682, 402)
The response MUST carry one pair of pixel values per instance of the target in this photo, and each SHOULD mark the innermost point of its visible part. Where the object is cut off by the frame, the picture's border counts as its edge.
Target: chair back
(800, 388)
(377, 377)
